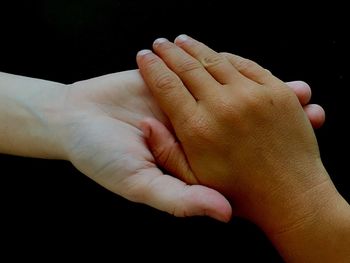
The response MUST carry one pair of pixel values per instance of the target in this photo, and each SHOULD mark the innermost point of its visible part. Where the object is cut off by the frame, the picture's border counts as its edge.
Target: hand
(242, 131)
(104, 142)
(251, 70)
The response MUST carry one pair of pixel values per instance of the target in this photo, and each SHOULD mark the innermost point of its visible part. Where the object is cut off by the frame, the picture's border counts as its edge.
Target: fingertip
(316, 115)
(145, 128)
(143, 52)
(302, 90)
(224, 209)
(222, 214)
(299, 84)
(159, 41)
(144, 58)
(181, 39)
(212, 204)
(148, 124)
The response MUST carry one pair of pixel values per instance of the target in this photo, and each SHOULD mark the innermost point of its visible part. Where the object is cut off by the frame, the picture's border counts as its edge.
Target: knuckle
(187, 66)
(232, 58)
(167, 81)
(225, 54)
(253, 99)
(212, 60)
(246, 65)
(267, 72)
(248, 101)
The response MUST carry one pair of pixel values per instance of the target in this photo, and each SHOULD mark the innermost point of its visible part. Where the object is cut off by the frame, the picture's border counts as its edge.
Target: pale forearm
(28, 110)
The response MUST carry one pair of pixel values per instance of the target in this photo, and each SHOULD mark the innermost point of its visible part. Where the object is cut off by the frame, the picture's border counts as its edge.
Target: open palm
(104, 143)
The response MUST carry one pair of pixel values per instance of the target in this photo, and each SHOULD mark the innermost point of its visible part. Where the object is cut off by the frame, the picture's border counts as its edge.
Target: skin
(243, 132)
(95, 125)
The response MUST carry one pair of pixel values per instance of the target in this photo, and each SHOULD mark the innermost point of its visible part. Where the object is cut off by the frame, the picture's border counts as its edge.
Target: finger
(314, 112)
(171, 195)
(251, 70)
(302, 90)
(166, 150)
(217, 65)
(255, 72)
(316, 115)
(173, 97)
(191, 71)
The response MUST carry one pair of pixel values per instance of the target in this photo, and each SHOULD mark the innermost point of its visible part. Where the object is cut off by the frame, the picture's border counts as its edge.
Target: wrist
(30, 114)
(316, 229)
(323, 237)
(292, 199)
(54, 112)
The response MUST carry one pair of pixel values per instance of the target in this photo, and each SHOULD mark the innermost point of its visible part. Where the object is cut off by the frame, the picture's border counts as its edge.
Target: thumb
(164, 192)
(171, 194)
(167, 152)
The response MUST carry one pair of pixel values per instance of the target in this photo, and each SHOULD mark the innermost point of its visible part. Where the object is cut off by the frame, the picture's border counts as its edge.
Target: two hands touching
(240, 137)
(95, 124)
(242, 131)
(109, 147)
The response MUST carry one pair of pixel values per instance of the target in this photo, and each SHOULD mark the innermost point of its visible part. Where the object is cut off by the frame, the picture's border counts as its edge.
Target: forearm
(323, 235)
(29, 109)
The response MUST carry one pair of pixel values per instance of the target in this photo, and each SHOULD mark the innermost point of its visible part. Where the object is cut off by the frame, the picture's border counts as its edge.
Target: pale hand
(102, 140)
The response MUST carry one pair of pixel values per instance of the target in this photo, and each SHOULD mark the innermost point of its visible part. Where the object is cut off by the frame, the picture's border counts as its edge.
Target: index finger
(171, 94)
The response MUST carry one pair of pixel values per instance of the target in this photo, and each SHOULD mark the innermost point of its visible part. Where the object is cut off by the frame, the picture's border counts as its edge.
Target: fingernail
(143, 52)
(182, 38)
(159, 41)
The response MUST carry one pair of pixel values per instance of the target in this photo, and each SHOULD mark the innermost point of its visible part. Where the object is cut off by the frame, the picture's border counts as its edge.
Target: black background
(49, 210)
